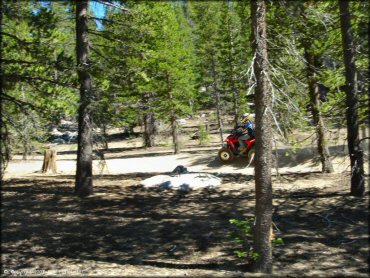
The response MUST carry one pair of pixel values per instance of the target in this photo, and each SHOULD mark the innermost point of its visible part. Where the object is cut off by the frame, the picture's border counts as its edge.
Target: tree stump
(50, 161)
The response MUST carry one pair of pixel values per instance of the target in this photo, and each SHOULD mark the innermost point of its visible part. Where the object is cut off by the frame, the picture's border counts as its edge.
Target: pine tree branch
(101, 19)
(113, 5)
(24, 42)
(30, 63)
(19, 103)
(32, 79)
(12, 61)
(105, 35)
(100, 53)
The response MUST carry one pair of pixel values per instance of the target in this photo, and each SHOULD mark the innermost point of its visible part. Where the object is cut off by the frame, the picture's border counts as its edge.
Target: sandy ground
(129, 156)
(201, 159)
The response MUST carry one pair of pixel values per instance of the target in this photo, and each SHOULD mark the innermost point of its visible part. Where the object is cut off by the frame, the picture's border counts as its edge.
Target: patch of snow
(181, 121)
(182, 182)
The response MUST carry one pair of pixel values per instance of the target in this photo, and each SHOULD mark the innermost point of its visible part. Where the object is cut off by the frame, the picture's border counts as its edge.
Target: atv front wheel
(225, 155)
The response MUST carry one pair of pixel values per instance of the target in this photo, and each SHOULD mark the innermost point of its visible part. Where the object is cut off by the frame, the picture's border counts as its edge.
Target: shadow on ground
(119, 224)
(124, 223)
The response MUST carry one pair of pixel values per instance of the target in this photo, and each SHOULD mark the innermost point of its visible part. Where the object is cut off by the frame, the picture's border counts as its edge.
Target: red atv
(230, 148)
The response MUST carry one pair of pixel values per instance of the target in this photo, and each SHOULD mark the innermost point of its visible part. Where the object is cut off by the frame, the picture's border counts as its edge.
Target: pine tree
(312, 65)
(263, 100)
(84, 175)
(206, 17)
(355, 152)
(164, 74)
(38, 87)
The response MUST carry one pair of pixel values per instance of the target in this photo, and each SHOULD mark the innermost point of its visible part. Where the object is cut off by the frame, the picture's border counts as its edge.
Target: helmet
(246, 117)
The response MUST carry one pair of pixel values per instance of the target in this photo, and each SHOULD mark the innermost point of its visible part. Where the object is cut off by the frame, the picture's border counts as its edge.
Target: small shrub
(203, 135)
(243, 234)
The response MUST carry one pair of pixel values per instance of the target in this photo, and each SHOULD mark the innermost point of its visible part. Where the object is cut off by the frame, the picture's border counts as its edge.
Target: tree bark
(235, 91)
(175, 138)
(105, 137)
(313, 88)
(25, 133)
(173, 118)
(150, 130)
(84, 177)
(354, 149)
(50, 161)
(218, 100)
(263, 148)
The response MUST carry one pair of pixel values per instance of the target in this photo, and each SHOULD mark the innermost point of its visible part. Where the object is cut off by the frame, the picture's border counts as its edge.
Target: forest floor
(124, 229)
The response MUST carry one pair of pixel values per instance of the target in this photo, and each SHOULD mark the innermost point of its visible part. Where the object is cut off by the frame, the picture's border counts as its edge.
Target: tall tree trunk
(219, 115)
(218, 100)
(236, 106)
(175, 138)
(105, 136)
(150, 130)
(313, 88)
(25, 131)
(173, 118)
(235, 97)
(4, 134)
(235, 91)
(263, 149)
(285, 125)
(355, 152)
(84, 182)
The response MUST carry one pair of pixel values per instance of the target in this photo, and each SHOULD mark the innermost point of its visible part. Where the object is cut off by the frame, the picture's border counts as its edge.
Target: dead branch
(113, 5)
(326, 218)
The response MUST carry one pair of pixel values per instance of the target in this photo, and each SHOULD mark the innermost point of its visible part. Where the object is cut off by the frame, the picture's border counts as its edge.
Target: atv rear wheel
(225, 155)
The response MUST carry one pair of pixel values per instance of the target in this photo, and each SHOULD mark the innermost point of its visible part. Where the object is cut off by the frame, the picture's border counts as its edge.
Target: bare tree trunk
(175, 138)
(5, 153)
(149, 130)
(25, 133)
(84, 177)
(219, 115)
(50, 161)
(313, 88)
(355, 152)
(235, 91)
(218, 100)
(26, 147)
(285, 125)
(173, 118)
(105, 137)
(236, 106)
(263, 148)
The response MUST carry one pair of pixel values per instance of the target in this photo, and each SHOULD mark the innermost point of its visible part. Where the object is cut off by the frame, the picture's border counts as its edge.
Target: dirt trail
(160, 160)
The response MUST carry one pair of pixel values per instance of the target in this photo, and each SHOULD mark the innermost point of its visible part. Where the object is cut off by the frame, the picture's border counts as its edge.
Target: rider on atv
(246, 131)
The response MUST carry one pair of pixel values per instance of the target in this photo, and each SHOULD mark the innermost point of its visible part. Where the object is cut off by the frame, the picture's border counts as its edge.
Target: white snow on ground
(182, 181)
